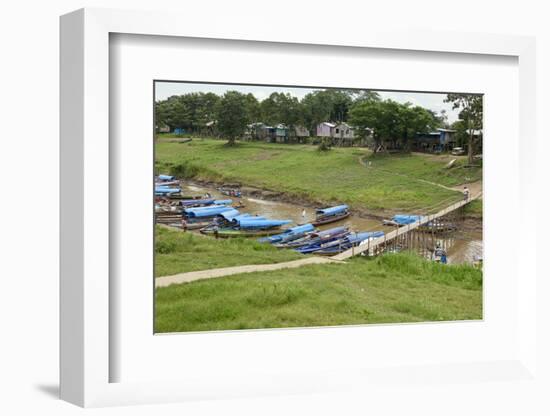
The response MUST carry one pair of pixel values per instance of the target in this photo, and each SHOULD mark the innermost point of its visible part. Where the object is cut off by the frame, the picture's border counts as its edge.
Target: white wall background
(29, 209)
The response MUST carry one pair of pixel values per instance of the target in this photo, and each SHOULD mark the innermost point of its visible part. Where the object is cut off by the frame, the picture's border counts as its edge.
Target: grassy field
(178, 252)
(390, 288)
(474, 209)
(390, 184)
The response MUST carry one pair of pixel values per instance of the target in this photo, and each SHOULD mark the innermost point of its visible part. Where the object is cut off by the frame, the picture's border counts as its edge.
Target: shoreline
(471, 222)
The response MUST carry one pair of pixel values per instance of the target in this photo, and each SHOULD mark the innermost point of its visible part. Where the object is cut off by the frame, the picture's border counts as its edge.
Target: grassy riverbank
(390, 288)
(396, 183)
(474, 209)
(178, 252)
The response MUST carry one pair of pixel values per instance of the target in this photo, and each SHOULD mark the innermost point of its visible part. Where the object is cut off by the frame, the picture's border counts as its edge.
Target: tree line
(386, 121)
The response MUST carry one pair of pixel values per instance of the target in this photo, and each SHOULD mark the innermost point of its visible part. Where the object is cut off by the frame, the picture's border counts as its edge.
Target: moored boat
(316, 237)
(341, 244)
(331, 214)
(290, 234)
(401, 220)
(232, 232)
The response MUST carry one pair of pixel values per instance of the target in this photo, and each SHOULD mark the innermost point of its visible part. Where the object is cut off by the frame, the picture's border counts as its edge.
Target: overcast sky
(431, 101)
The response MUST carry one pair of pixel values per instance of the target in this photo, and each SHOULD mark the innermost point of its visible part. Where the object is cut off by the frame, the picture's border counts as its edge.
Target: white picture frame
(86, 332)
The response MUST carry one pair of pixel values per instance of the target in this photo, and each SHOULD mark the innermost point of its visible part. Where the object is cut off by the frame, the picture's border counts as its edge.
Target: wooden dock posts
(394, 236)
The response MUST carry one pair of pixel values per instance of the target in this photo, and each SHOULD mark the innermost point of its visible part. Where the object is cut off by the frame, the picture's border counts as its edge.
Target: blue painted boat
(316, 237)
(204, 202)
(405, 219)
(331, 214)
(166, 177)
(253, 223)
(340, 244)
(289, 234)
(229, 215)
(161, 190)
(210, 211)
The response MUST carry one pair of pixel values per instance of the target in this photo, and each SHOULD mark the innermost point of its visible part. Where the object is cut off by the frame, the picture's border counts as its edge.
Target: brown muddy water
(462, 246)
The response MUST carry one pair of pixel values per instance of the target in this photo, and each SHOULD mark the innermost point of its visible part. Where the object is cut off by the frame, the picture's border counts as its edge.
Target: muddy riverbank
(463, 245)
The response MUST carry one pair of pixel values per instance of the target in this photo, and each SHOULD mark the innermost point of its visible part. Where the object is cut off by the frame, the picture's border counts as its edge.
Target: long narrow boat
(342, 244)
(316, 237)
(190, 203)
(401, 220)
(331, 214)
(289, 235)
(165, 191)
(208, 211)
(232, 232)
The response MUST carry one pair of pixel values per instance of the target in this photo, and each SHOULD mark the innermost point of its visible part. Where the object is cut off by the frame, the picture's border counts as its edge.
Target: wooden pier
(373, 245)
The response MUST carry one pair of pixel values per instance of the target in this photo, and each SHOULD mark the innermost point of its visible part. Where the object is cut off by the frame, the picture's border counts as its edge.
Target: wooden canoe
(329, 219)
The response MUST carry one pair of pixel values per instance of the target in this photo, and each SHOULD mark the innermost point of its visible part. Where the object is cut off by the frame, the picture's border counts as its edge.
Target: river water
(462, 245)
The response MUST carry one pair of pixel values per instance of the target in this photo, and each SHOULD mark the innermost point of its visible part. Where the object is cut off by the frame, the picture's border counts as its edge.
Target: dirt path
(228, 271)
(476, 188)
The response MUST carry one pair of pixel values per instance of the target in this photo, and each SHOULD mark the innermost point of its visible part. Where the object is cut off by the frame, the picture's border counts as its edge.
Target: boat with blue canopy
(254, 223)
(161, 190)
(289, 234)
(341, 244)
(210, 211)
(401, 219)
(331, 214)
(316, 237)
(166, 177)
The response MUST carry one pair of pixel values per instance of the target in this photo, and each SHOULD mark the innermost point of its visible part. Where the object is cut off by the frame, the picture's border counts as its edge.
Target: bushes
(184, 170)
(324, 145)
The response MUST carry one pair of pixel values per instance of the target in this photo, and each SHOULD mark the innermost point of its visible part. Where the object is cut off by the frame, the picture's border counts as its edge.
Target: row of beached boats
(221, 218)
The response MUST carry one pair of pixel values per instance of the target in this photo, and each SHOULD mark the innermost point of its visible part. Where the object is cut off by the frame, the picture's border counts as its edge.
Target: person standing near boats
(183, 224)
(216, 229)
(304, 214)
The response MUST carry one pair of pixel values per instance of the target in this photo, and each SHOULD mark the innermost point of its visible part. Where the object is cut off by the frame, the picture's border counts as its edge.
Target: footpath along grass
(390, 288)
(178, 252)
(301, 171)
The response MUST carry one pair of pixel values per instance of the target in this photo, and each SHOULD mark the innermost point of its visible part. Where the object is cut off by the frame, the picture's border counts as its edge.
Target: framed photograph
(285, 213)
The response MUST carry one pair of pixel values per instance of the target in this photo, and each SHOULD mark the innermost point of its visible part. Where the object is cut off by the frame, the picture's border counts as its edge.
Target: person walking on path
(304, 214)
(466, 193)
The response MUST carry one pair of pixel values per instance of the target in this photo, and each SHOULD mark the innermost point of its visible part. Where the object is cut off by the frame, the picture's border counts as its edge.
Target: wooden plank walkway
(372, 244)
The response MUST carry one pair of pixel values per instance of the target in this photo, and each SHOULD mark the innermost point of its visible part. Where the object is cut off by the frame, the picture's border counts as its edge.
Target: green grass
(390, 288)
(391, 184)
(427, 167)
(178, 252)
(474, 209)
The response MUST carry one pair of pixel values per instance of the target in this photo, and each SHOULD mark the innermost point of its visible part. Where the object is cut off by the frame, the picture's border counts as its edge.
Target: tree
(326, 105)
(471, 113)
(390, 121)
(232, 117)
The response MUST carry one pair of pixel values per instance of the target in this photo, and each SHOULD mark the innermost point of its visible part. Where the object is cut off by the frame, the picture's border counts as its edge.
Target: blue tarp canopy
(185, 202)
(406, 219)
(332, 231)
(299, 230)
(230, 214)
(211, 211)
(354, 238)
(163, 190)
(223, 201)
(332, 210)
(237, 220)
(261, 224)
(166, 177)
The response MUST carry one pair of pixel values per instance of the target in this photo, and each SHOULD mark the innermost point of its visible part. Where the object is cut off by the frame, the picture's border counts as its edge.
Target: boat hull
(330, 219)
(240, 233)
